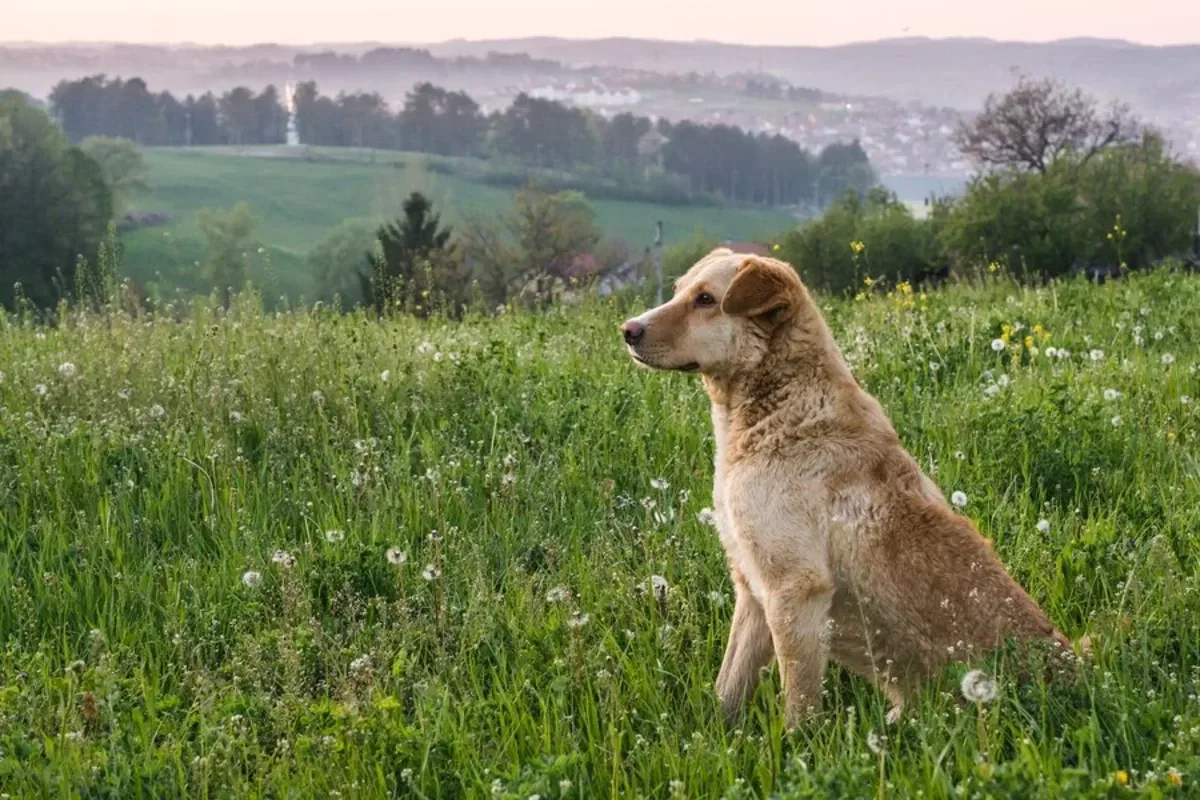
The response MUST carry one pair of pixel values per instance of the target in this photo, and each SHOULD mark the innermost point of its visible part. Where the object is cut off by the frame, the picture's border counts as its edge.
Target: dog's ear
(760, 287)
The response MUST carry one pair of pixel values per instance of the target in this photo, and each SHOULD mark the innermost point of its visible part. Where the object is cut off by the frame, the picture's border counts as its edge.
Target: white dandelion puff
(67, 371)
(236, 417)
(334, 535)
(40, 390)
(559, 594)
(578, 620)
(1186, 400)
(430, 573)
(361, 665)
(657, 585)
(157, 411)
(252, 578)
(1111, 394)
(425, 347)
(318, 398)
(707, 516)
(998, 345)
(1043, 525)
(1116, 421)
(1168, 359)
(283, 559)
(660, 484)
(978, 687)
(959, 499)
(385, 376)
(1096, 355)
(396, 557)
(876, 743)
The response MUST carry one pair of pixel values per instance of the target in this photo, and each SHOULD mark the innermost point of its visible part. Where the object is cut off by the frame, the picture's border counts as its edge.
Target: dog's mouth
(691, 366)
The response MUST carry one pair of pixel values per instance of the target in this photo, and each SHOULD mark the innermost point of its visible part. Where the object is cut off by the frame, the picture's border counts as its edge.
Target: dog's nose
(634, 331)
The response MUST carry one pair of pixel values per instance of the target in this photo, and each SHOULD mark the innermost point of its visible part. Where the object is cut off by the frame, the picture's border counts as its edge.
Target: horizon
(759, 23)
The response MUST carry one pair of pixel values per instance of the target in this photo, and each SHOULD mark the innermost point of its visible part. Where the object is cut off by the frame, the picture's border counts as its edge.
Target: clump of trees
(55, 206)
(1063, 185)
(627, 155)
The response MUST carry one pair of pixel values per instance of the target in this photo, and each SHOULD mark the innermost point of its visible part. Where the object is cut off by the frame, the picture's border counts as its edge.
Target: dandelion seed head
(978, 687)
(283, 559)
(67, 371)
(660, 484)
(396, 557)
(431, 572)
(1168, 359)
(707, 516)
(1096, 355)
(157, 411)
(385, 376)
(998, 345)
(251, 578)
(559, 594)
(1043, 525)
(1111, 394)
(334, 535)
(578, 620)
(959, 499)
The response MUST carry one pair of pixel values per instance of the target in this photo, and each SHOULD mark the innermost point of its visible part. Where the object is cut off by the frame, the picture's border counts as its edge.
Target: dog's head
(722, 315)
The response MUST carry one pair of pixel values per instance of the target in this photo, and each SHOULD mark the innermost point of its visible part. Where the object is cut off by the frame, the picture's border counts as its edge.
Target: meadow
(249, 554)
(298, 195)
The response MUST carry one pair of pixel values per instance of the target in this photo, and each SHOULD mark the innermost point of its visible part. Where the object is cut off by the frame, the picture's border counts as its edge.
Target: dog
(838, 545)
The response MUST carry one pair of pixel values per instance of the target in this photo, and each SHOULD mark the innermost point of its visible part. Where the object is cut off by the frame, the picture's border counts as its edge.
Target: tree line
(690, 158)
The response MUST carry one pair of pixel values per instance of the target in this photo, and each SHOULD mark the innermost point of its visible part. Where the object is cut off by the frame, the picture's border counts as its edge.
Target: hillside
(297, 201)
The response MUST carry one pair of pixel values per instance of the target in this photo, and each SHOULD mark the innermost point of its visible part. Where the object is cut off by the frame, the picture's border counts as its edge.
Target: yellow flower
(993, 267)
(1121, 777)
(1174, 777)
(904, 288)
(868, 281)
(860, 296)
(1171, 437)
(775, 248)
(1029, 341)
(857, 247)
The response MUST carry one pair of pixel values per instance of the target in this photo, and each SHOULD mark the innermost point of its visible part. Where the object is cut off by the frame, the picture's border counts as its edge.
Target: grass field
(304, 555)
(297, 201)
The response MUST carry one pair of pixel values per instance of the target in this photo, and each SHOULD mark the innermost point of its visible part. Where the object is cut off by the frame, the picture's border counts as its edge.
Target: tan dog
(839, 546)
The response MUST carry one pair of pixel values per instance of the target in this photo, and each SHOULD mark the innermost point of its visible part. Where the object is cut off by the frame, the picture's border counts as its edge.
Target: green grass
(297, 201)
(137, 494)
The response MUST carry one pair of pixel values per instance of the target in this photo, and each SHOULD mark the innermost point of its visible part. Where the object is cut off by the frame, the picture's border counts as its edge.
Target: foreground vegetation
(308, 554)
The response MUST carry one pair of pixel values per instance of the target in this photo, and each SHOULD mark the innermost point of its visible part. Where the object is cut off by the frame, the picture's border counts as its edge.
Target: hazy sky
(816, 22)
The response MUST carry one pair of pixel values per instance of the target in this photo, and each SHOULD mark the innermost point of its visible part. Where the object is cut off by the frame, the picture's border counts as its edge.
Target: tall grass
(196, 513)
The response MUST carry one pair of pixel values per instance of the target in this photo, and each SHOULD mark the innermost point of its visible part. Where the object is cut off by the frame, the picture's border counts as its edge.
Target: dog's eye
(704, 299)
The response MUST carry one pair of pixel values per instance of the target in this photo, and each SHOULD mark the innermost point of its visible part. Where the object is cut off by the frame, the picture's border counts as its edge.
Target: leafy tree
(336, 261)
(239, 116)
(54, 205)
(418, 268)
(123, 166)
(542, 245)
(229, 236)
(1039, 122)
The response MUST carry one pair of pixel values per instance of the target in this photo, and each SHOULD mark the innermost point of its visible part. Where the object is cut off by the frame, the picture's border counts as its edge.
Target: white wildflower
(40, 390)
(716, 598)
(360, 665)
(1116, 422)
(334, 535)
(1186, 400)
(707, 516)
(430, 573)
(876, 743)
(396, 557)
(125, 393)
(959, 499)
(425, 347)
(578, 620)
(157, 411)
(657, 584)
(1111, 394)
(1003, 381)
(559, 594)
(385, 376)
(236, 417)
(1043, 525)
(660, 484)
(1096, 355)
(978, 687)
(251, 578)
(283, 559)
(318, 398)
(998, 345)
(67, 371)
(1168, 359)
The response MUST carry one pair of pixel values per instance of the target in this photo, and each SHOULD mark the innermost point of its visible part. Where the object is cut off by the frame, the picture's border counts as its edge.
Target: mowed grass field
(297, 201)
(310, 555)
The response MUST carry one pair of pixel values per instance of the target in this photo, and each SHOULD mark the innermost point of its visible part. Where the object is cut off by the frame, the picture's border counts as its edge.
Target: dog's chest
(740, 557)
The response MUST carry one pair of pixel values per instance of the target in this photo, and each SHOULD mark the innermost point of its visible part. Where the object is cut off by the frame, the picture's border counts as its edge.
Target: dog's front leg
(749, 650)
(797, 611)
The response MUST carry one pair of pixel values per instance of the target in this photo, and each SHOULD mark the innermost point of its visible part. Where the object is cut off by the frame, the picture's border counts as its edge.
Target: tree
(337, 260)
(418, 267)
(229, 236)
(54, 205)
(543, 244)
(1040, 121)
(123, 167)
(239, 115)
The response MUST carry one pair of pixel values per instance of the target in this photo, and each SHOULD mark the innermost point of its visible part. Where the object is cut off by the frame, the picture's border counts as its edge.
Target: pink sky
(748, 21)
